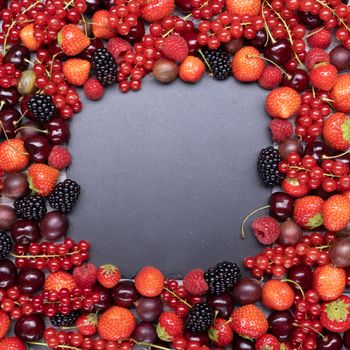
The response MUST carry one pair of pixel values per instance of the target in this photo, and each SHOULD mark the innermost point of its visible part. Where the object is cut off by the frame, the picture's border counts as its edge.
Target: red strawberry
(100, 25)
(93, 89)
(59, 280)
(221, 333)
(336, 212)
(42, 178)
(118, 47)
(277, 295)
(280, 129)
(85, 275)
(319, 38)
(194, 282)
(60, 157)
(72, 40)
(5, 323)
(149, 281)
(108, 275)
(191, 69)
(87, 324)
(13, 156)
(336, 131)
(243, 7)
(266, 229)
(170, 325)
(12, 343)
(28, 38)
(340, 93)
(335, 315)
(175, 48)
(323, 76)
(315, 56)
(267, 342)
(76, 71)
(270, 77)
(156, 10)
(308, 211)
(292, 187)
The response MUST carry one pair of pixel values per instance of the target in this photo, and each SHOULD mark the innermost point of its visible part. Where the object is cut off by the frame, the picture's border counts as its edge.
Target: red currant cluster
(311, 118)
(277, 260)
(8, 75)
(332, 175)
(170, 24)
(52, 256)
(206, 9)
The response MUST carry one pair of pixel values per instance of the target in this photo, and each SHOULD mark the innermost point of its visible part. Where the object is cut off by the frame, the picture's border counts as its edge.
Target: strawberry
(267, 342)
(266, 229)
(118, 47)
(156, 10)
(87, 324)
(194, 282)
(12, 343)
(221, 333)
(336, 131)
(336, 212)
(283, 102)
(243, 7)
(85, 275)
(315, 56)
(42, 178)
(60, 157)
(340, 93)
(249, 321)
(5, 323)
(117, 323)
(247, 65)
(335, 315)
(169, 326)
(76, 71)
(323, 76)
(13, 156)
(108, 275)
(100, 25)
(277, 295)
(270, 77)
(59, 280)
(191, 69)
(93, 89)
(175, 48)
(320, 38)
(72, 40)
(28, 38)
(308, 212)
(149, 281)
(294, 188)
(329, 282)
(281, 129)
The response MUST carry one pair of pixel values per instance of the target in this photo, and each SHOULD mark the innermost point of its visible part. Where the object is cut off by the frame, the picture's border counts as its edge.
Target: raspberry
(194, 282)
(280, 129)
(314, 56)
(93, 89)
(319, 38)
(60, 157)
(117, 47)
(270, 77)
(266, 229)
(175, 47)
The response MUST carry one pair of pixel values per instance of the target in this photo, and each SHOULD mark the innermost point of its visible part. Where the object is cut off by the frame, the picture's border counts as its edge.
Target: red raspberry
(93, 89)
(270, 77)
(175, 47)
(59, 157)
(319, 38)
(314, 56)
(323, 76)
(266, 229)
(280, 129)
(118, 47)
(194, 282)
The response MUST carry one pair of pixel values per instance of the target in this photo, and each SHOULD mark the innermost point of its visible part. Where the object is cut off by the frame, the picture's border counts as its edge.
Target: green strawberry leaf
(315, 221)
(293, 181)
(213, 334)
(162, 333)
(31, 185)
(345, 128)
(337, 310)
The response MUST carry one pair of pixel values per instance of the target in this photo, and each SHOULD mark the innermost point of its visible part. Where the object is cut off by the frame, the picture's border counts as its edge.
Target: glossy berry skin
(39, 148)
(8, 118)
(30, 280)
(149, 309)
(340, 57)
(346, 339)
(298, 80)
(58, 131)
(259, 40)
(89, 51)
(281, 206)
(223, 304)
(302, 275)
(145, 332)
(136, 33)
(279, 52)
(124, 294)
(105, 298)
(54, 225)
(240, 343)
(281, 325)
(317, 149)
(330, 341)
(310, 20)
(11, 95)
(8, 273)
(18, 55)
(246, 291)
(93, 6)
(25, 232)
(15, 186)
(30, 327)
(201, 338)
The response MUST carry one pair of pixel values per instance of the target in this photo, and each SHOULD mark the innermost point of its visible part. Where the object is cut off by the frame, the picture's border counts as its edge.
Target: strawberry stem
(248, 216)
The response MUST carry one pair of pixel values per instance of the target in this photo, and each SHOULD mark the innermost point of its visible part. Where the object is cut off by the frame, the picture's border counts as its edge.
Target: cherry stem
(43, 255)
(272, 62)
(248, 216)
(336, 156)
(31, 127)
(310, 327)
(315, 32)
(178, 297)
(296, 284)
(7, 139)
(323, 247)
(2, 104)
(205, 60)
(269, 34)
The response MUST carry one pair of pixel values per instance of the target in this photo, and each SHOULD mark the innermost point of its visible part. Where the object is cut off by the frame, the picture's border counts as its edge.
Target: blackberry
(5, 244)
(268, 166)
(222, 277)
(199, 318)
(104, 66)
(41, 107)
(64, 195)
(30, 207)
(220, 63)
(60, 320)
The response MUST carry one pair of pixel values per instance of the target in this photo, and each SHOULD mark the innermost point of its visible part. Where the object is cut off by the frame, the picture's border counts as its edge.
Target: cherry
(58, 130)
(330, 341)
(191, 37)
(30, 327)
(124, 294)
(298, 80)
(246, 291)
(346, 339)
(184, 5)
(54, 49)
(317, 149)
(279, 52)
(309, 20)
(281, 206)
(38, 147)
(281, 325)
(93, 6)
(30, 280)
(9, 117)
(289, 145)
(7, 217)
(149, 309)
(11, 95)
(17, 55)
(29, 129)
(54, 225)
(8, 273)
(25, 232)
(89, 51)
(340, 57)
(260, 39)
(105, 297)
(15, 186)
(222, 303)
(233, 46)
(136, 33)
(201, 338)
(145, 332)
(240, 343)
(302, 275)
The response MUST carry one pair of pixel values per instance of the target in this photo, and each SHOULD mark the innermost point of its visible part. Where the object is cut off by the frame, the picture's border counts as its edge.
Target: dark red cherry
(201, 338)
(17, 55)
(317, 149)
(145, 332)
(240, 343)
(11, 95)
(279, 52)
(105, 297)
(93, 6)
(107, 4)
(30, 327)
(3, 4)
(246, 291)
(233, 46)
(340, 57)
(149, 309)
(89, 51)
(301, 274)
(57, 130)
(346, 339)
(15, 186)
(10, 119)
(29, 129)
(7, 217)
(184, 5)
(25, 232)
(281, 325)
(191, 37)
(54, 49)
(8, 273)
(136, 33)
(281, 206)
(30, 280)
(298, 80)
(309, 20)
(222, 303)
(124, 294)
(260, 39)
(54, 225)
(39, 148)
(329, 341)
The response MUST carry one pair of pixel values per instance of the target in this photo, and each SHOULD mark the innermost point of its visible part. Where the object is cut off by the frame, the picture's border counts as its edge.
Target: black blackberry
(30, 207)
(222, 277)
(104, 66)
(268, 166)
(64, 195)
(219, 61)
(5, 244)
(200, 318)
(60, 320)
(41, 107)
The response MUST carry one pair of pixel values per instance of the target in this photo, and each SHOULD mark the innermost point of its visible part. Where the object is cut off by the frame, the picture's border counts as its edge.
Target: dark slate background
(168, 174)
